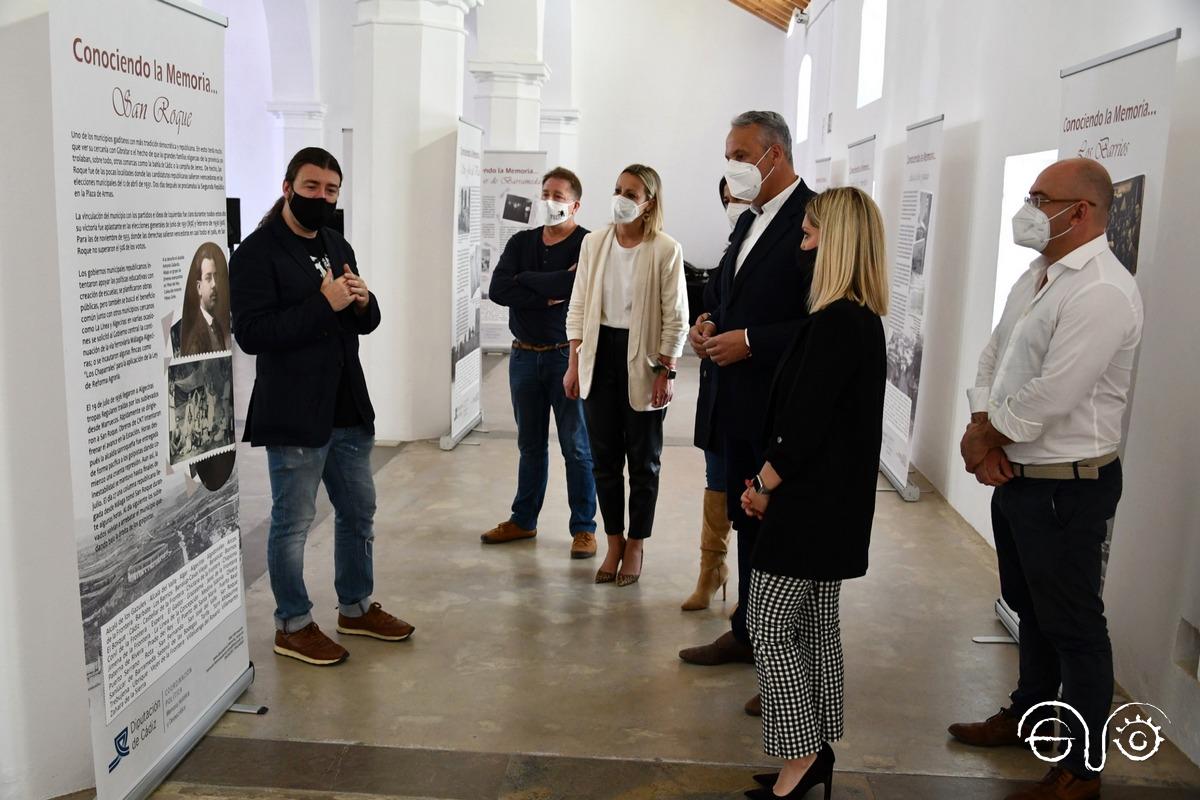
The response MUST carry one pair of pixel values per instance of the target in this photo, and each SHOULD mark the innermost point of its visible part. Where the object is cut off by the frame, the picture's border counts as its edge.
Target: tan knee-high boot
(714, 544)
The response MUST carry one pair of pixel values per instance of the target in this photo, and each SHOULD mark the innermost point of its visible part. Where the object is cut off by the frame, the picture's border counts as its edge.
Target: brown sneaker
(377, 624)
(310, 646)
(754, 707)
(1060, 784)
(998, 730)
(583, 545)
(506, 532)
(725, 650)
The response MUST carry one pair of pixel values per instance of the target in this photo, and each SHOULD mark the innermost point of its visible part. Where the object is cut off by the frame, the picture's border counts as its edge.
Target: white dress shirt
(762, 218)
(617, 306)
(1055, 375)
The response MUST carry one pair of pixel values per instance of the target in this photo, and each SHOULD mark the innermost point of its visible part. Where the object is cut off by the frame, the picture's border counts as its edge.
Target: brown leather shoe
(507, 531)
(754, 707)
(583, 545)
(376, 623)
(725, 650)
(998, 730)
(310, 646)
(1060, 784)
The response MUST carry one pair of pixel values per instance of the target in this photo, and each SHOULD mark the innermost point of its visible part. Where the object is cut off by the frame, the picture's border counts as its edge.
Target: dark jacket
(303, 347)
(768, 297)
(528, 275)
(824, 423)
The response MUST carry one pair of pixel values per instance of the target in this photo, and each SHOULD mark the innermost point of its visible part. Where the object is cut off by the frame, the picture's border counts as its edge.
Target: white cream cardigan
(658, 317)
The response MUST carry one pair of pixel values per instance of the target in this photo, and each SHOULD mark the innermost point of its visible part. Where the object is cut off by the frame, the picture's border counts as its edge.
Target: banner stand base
(909, 492)
(176, 754)
(450, 442)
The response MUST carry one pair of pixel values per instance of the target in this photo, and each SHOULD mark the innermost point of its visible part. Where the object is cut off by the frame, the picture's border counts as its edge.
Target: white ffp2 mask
(1031, 227)
(745, 181)
(625, 210)
(734, 211)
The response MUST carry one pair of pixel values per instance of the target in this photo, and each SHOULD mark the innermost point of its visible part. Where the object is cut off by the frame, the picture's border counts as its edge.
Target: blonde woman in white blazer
(627, 323)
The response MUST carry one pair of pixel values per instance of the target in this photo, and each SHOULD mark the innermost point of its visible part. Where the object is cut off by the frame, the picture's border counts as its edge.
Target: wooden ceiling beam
(770, 13)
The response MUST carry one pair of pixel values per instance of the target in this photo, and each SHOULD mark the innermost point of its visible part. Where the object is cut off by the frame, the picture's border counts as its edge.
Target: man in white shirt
(1046, 418)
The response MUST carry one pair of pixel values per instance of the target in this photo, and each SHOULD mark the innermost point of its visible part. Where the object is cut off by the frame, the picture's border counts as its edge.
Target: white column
(509, 72)
(299, 124)
(510, 99)
(560, 137)
(408, 78)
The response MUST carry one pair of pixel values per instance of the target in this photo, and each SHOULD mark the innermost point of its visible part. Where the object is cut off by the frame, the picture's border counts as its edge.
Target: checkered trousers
(797, 641)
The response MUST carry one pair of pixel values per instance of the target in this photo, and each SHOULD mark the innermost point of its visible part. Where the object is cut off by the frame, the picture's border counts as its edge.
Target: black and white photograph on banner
(904, 352)
(517, 208)
(485, 269)
(200, 405)
(925, 200)
(188, 521)
(464, 210)
(1125, 220)
(476, 269)
(465, 344)
(202, 325)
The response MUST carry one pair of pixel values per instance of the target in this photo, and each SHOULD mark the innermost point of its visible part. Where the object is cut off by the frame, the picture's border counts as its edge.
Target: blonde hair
(652, 220)
(851, 257)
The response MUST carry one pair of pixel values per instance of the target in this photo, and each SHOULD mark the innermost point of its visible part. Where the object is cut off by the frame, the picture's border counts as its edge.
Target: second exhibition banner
(466, 362)
(511, 185)
(912, 254)
(860, 165)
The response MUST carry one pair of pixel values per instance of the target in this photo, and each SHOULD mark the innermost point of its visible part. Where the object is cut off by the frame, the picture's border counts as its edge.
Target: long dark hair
(318, 157)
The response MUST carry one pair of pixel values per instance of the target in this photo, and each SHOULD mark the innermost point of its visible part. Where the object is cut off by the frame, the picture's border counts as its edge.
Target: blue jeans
(714, 471)
(535, 380)
(344, 464)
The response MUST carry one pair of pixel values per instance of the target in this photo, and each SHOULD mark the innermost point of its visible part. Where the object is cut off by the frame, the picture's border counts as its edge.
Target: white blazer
(658, 316)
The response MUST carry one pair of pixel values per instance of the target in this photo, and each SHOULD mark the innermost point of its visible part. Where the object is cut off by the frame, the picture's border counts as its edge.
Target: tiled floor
(526, 680)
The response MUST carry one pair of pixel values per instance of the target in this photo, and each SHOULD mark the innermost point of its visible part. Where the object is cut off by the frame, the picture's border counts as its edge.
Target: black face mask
(313, 213)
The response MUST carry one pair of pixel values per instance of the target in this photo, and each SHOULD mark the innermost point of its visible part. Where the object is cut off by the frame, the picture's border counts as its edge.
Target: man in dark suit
(300, 305)
(756, 307)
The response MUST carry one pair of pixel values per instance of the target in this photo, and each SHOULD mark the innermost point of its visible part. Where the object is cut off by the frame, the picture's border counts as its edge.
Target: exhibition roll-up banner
(861, 165)
(822, 172)
(1117, 110)
(511, 185)
(910, 280)
(466, 359)
(139, 135)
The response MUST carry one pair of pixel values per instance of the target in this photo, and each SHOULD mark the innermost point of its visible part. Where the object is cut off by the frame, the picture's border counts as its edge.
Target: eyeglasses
(1037, 201)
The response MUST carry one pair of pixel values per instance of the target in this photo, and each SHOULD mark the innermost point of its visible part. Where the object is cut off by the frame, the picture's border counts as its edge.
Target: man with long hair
(300, 305)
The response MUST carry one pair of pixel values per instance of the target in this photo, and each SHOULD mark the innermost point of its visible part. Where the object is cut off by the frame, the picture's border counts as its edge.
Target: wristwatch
(664, 368)
(758, 485)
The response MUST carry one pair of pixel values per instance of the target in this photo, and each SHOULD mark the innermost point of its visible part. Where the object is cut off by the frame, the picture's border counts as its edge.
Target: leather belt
(539, 348)
(1087, 470)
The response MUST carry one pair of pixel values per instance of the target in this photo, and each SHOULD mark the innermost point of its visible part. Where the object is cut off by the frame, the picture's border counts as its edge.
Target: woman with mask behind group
(627, 321)
(715, 525)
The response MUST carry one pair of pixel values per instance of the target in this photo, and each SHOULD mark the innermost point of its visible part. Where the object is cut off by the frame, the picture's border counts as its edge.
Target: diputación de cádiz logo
(121, 743)
(1138, 739)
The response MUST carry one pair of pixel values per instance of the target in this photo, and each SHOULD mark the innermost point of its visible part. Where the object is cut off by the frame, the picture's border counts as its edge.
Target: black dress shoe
(725, 650)
(821, 772)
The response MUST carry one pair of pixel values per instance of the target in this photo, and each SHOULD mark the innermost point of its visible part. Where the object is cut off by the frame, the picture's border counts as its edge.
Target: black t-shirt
(345, 413)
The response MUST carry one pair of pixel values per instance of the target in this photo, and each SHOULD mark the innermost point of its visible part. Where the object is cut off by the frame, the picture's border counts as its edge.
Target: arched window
(803, 96)
(870, 51)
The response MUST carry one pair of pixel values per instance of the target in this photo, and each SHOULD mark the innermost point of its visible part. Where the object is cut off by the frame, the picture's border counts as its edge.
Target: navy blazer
(303, 346)
(768, 297)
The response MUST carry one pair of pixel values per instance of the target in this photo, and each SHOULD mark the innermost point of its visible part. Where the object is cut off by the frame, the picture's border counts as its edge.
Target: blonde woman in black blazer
(815, 493)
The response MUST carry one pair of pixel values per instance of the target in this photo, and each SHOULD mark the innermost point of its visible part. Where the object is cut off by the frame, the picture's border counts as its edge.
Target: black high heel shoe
(821, 772)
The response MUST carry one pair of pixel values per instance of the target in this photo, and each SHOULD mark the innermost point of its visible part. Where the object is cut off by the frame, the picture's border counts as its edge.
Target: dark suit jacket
(825, 418)
(303, 347)
(768, 296)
